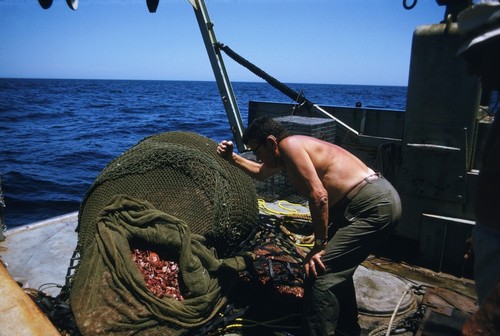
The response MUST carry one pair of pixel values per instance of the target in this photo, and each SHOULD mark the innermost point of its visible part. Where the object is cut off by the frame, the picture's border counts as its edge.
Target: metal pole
(225, 88)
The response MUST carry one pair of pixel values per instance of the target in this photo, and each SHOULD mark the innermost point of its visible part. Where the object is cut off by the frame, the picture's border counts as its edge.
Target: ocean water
(57, 135)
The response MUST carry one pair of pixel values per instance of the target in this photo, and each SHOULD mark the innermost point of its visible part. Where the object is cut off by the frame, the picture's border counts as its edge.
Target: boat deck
(37, 256)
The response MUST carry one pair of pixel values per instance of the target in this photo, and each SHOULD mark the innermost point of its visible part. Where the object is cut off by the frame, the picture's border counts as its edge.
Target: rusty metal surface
(423, 275)
(445, 301)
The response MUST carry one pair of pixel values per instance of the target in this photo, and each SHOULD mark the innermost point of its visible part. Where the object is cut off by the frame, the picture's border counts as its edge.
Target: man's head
(260, 129)
(480, 27)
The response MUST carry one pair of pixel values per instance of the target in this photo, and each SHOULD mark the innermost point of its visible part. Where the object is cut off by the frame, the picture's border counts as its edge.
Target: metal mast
(225, 88)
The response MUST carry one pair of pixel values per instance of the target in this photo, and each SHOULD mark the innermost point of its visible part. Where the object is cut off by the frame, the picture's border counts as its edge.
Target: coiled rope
(290, 211)
(406, 325)
(287, 209)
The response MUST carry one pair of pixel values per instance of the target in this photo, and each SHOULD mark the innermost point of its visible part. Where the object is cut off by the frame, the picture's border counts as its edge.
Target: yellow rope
(247, 323)
(268, 323)
(287, 210)
(292, 210)
(292, 213)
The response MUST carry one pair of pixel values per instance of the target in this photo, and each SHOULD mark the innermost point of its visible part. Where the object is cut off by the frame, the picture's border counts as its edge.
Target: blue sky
(296, 41)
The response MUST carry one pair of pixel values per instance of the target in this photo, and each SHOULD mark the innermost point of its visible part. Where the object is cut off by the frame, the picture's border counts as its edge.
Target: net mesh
(180, 174)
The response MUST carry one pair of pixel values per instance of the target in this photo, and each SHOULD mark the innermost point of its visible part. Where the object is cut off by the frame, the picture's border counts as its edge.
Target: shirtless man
(353, 209)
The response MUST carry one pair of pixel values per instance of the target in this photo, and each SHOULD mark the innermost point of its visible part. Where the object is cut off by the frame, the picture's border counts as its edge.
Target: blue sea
(58, 134)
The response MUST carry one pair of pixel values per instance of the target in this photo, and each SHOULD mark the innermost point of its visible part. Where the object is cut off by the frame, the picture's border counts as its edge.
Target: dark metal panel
(443, 242)
(434, 163)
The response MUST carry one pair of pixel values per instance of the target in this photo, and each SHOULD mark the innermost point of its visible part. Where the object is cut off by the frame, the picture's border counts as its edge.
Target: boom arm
(225, 88)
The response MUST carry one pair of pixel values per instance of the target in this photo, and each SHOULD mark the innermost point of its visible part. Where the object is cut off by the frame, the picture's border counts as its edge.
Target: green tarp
(113, 297)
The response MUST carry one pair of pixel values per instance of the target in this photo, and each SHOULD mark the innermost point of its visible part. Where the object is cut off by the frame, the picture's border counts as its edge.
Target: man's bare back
(337, 169)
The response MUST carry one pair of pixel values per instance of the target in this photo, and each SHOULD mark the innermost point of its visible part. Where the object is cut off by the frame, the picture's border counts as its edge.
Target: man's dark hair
(263, 127)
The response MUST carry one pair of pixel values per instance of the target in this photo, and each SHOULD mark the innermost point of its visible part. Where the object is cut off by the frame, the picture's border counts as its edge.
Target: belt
(354, 191)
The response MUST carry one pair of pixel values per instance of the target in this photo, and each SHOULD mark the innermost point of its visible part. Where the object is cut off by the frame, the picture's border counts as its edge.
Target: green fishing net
(180, 174)
(173, 193)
